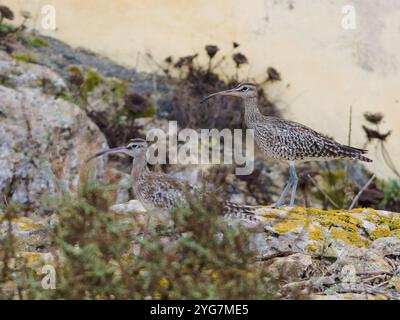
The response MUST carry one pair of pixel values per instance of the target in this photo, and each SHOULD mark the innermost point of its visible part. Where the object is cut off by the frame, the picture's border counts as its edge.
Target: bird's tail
(239, 211)
(353, 153)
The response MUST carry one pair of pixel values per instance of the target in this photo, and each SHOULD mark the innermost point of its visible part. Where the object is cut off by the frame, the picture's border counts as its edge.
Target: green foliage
(92, 80)
(35, 41)
(200, 265)
(99, 254)
(391, 191)
(337, 186)
(6, 28)
(150, 111)
(69, 98)
(83, 83)
(25, 58)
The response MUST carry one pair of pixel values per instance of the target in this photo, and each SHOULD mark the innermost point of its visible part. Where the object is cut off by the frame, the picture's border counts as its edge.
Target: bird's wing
(294, 141)
(165, 191)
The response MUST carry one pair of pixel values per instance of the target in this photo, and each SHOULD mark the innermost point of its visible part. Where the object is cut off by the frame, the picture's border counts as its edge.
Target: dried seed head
(6, 13)
(374, 118)
(25, 14)
(374, 134)
(239, 59)
(211, 50)
(135, 102)
(273, 75)
(184, 61)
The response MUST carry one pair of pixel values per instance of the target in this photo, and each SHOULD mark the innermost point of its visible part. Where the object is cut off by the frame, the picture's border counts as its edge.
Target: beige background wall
(328, 68)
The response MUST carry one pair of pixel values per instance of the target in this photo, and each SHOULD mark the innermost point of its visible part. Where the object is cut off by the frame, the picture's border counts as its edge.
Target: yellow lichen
(312, 248)
(394, 224)
(342, 225)
(22, 220)
(286, 226)
(164, 283)
(29, 226)
(316, 233)
(381, 232)
(348, 237)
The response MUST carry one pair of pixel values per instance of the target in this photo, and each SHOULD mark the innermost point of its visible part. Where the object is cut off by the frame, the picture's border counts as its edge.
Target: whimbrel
(155, 190)
(158, 191)
(287, 140)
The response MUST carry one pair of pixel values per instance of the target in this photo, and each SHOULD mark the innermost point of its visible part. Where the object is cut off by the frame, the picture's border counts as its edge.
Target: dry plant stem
(274, 255)
(388, 160)
(315, 183)
(355, 200)
(348, 163)
(5, 200)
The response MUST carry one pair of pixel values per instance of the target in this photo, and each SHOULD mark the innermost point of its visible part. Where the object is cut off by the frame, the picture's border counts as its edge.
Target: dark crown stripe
(245, 84)
(137, 140)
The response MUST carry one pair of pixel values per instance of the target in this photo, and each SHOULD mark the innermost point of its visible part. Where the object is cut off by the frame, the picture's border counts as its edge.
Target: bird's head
(134, 148)
(243, 90)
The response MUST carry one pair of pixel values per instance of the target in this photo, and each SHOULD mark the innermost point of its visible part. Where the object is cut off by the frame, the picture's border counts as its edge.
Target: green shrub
(391, 195)
(94, 255)
(25, 58)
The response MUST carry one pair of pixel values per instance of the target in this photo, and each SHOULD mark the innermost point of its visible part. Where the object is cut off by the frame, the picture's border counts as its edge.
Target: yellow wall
(328, 68)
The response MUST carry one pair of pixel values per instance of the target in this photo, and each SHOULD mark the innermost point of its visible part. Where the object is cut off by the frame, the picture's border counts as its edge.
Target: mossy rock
(25, 58)
(331, 232)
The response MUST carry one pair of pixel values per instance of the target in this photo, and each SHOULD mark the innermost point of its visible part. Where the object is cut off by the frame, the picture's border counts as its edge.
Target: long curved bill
(220, 93)
(109, 151)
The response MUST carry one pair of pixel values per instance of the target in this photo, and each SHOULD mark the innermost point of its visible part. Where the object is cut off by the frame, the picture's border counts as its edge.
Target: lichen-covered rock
(387, 246)
(131, 207)
(44, 141)
(332, 233)
(291, 268)
(348, 255)
(18, 74)
(361, 261)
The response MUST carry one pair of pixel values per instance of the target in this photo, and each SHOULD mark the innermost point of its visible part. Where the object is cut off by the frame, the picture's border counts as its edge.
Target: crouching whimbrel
(287, 140)
(158, 191)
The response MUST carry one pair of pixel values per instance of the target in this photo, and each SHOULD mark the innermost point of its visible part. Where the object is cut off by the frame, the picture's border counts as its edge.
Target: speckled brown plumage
(286, 140)
(282, 139)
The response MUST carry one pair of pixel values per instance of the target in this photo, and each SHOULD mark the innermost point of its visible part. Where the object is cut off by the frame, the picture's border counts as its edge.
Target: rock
(348, 274)
(389, 246)
(257, 242)
(135, 210)
(290, 268)
(145, 124)
(131, 207)
(363, 261)
(395, 282)
(44, 141)
(333, 233)
(123, 180)
(19, 75)
(348, 296)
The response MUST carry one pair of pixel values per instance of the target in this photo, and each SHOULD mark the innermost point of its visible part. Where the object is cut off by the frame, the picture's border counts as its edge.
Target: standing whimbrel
(158, 191)
(287, 140)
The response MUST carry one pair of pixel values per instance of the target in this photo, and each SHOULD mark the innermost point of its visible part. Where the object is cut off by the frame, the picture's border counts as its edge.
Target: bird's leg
(294, 180)
(284, 193)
